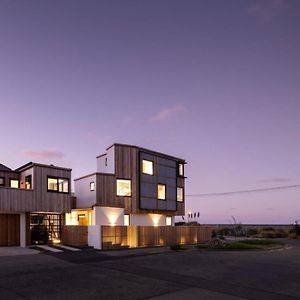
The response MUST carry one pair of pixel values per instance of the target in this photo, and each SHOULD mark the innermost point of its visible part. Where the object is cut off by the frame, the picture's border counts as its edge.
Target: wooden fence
(74, 235)
(147, 236)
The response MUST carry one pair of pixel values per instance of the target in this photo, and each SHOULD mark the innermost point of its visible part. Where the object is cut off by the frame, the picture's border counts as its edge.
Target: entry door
(9, 230)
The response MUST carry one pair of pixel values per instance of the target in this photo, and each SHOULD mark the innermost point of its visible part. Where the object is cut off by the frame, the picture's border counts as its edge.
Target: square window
(2, 181)
(14, 183)
(124, 187)
(161, 191)
(147, 167)
(92, 186)
(168, 221)
(180, 194)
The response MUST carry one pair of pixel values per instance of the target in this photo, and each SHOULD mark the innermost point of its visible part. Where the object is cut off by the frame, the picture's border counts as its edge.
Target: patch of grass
(260, 242)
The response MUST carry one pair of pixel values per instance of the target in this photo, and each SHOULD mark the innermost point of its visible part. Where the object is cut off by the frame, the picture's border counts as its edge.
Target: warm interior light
(161, 192)
(147, 167)
(169, 221)
(124, 187)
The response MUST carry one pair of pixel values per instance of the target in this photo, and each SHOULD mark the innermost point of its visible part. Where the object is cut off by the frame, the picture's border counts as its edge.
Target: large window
(14, 183)
(181, 169)
(124, 187)
(28, 182)
(147, 167)
(180, 196)
(59, 185)
(2, 181)
(161, 191)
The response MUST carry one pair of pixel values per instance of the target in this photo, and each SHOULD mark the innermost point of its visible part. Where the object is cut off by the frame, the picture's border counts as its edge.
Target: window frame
(180, 187)
(14, 179)
(168, 218)
(124, 179)
(57, 191)
(92, 190)
(165, 186)
(148, 160)
(127, 215)
(3, 178)
(178, 169)
(26, 178)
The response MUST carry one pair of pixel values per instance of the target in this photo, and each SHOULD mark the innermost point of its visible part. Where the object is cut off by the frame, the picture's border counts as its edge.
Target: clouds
(265, 10)
(168, 113)
(274, 180)
(43, 154)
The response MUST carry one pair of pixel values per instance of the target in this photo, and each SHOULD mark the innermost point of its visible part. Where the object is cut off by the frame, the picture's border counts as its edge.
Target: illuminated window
(147, 167)
(60, 185)
(28, 182)
(126, 220)
(124, 187)
(180, 194)
(92, 186)
(14, 183)
(169, 221)
(181, 169)
(161, 191)
(2, 181)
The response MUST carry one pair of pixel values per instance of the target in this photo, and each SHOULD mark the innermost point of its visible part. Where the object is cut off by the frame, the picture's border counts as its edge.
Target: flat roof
(146, 150)
(32, 164)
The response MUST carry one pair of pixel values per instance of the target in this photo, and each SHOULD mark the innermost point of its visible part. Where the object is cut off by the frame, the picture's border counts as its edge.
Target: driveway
(194, 274)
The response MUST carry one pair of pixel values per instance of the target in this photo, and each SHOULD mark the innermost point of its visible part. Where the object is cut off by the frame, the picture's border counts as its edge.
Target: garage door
(9, 230)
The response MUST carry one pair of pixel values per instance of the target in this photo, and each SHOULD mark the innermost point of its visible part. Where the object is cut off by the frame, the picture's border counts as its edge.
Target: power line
(247, 191)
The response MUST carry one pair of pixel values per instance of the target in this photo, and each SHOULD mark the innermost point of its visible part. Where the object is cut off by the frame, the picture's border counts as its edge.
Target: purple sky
(214, 82)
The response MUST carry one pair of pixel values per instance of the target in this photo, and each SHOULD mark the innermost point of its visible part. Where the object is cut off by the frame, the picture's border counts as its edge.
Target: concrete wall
(106, 163)
(84, 196)
(94, 236)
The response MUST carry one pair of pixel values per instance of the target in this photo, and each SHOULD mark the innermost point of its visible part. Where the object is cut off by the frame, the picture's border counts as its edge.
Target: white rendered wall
(94, 236)
(108, 216)
(149, 220)
(110, 167)
(84, 196)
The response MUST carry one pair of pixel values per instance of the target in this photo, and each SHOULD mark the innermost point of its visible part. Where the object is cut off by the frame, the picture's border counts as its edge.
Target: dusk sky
(214, 82)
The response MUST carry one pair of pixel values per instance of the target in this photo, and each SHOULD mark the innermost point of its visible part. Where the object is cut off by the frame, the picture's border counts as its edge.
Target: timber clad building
(33, 201)
(131, 186)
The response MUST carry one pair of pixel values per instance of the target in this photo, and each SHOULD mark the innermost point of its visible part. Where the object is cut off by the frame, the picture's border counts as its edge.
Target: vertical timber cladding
(50, 201)
(165, 172)
(9, 230)
(126, 167)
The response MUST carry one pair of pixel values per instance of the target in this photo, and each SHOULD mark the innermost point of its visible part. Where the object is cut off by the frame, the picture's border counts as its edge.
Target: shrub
(176, 247)
(267, 229)
(252, 231)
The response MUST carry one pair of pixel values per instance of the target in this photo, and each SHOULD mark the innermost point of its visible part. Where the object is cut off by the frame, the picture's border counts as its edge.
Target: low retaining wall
(74, 235)
(147, 236)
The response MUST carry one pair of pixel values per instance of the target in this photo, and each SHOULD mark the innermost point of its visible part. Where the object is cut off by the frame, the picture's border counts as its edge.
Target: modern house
(33, 201)
(132, 186)
(134, 195)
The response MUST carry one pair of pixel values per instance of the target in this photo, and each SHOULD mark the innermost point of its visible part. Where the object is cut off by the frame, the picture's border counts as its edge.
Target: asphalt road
(195, 274)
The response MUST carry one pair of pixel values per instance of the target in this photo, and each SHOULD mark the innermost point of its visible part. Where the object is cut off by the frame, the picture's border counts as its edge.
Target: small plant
(295, 231)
